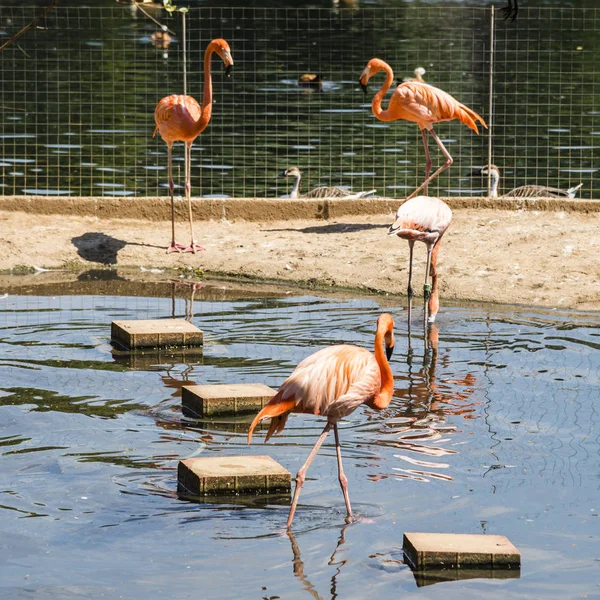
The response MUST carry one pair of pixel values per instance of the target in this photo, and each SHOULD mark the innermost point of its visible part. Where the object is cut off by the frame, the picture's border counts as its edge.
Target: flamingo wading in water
(333, 382)
(422, 104)
(423, 219)
(180, 118)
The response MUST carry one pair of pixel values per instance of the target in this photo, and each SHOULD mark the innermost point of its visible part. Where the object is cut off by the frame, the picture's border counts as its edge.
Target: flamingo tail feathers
(278, 411)
(469, 117)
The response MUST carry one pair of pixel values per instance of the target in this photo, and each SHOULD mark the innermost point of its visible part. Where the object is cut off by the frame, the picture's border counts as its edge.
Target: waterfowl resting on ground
(180, 118)
(422, 104)
(320, 192)
(332, 383)
(423, 219)
(523, 191)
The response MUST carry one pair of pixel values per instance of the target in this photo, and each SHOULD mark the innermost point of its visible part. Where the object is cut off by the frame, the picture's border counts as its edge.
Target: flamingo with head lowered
(180, 118)
(332, 383)
(422, 104)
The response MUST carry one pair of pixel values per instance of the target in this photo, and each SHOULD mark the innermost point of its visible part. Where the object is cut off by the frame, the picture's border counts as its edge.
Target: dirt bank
(505, 256)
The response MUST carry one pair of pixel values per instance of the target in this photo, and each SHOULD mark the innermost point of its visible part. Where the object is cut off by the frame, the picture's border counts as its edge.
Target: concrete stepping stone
(229, 398)
(458, 550)
(221, 475)
(155, 333)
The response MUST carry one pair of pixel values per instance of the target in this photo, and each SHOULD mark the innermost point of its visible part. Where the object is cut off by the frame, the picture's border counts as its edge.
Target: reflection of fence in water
(79, 96)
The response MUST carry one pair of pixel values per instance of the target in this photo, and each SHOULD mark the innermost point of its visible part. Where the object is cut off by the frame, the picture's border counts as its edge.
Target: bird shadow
(98, 247)
(335, 228)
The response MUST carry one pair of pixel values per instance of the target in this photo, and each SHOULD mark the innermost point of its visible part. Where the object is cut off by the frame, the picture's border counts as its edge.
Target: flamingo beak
(389, 343)
(394, 227)
(228, 70)
(363, 87)
(282, 174)
(389, 350)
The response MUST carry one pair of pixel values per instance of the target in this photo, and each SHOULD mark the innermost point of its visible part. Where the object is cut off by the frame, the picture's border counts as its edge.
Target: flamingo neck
(383, 115)
(206, 112)
(296, 189)
(384, 397)
(494, 180)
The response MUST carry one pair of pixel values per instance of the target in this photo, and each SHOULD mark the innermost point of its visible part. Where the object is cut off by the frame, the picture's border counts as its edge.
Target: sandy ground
(515, 257)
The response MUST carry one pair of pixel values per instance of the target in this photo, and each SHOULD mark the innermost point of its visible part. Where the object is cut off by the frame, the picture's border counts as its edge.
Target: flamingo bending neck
(382, 115)
(383, 398)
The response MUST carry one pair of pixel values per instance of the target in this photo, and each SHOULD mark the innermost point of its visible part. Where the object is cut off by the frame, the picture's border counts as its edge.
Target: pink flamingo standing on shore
(332, 383)
(422, 104)
(423, 219)
(180, 118)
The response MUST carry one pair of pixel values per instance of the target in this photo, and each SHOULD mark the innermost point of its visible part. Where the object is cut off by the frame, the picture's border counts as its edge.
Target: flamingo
(333, 382)
(180, 118)
(421, 103)
(423, 219)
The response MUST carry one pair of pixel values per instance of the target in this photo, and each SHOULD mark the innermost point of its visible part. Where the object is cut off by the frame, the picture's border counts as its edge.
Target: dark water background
(78, 97)
(492, 429)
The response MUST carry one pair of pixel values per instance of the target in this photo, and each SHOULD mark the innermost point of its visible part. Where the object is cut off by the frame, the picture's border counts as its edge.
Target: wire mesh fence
(78, 97)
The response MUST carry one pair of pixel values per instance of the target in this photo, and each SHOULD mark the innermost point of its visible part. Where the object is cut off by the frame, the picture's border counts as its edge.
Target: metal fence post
(491, 98)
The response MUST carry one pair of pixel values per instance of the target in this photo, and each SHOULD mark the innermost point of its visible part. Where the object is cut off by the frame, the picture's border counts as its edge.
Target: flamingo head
(373, 66)
(221, 47)
(385, 325)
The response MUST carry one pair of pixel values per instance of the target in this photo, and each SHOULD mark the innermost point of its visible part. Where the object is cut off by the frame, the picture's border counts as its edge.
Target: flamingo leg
(174, 247)
(434, 303)
(449, 161)
(427, 286)
(410, 293)
(411, 245)
(193, 247)
(341, 475)
(301, 475)
(427, 158)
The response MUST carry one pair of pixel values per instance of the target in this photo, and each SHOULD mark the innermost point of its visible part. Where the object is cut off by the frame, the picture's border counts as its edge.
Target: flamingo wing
(422, 215)
(175, 116)
(332, 382)
(429, 104)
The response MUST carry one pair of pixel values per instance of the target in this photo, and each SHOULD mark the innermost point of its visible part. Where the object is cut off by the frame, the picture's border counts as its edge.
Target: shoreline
(515, 257)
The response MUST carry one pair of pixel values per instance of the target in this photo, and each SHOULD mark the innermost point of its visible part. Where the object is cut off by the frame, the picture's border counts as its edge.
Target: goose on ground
(320, 192)
(523, 191)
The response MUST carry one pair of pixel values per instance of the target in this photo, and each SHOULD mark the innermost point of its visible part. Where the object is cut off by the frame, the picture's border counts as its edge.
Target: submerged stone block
(155, 333)
(229, 398)
(219, 475)
(458, 550)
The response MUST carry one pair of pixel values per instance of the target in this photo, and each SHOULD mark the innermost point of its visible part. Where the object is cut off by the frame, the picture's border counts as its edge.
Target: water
(493, 428)
(79, 96)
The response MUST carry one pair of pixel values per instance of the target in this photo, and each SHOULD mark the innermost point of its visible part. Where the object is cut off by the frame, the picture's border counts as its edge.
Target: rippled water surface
(493, 428)
(79, 94)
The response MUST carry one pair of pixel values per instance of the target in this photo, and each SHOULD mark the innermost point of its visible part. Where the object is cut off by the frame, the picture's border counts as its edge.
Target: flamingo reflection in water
(424, 411)
(333, 561)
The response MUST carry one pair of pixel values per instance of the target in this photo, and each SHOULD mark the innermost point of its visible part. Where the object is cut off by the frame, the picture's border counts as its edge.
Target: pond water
(493, 428)
(78, 96)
